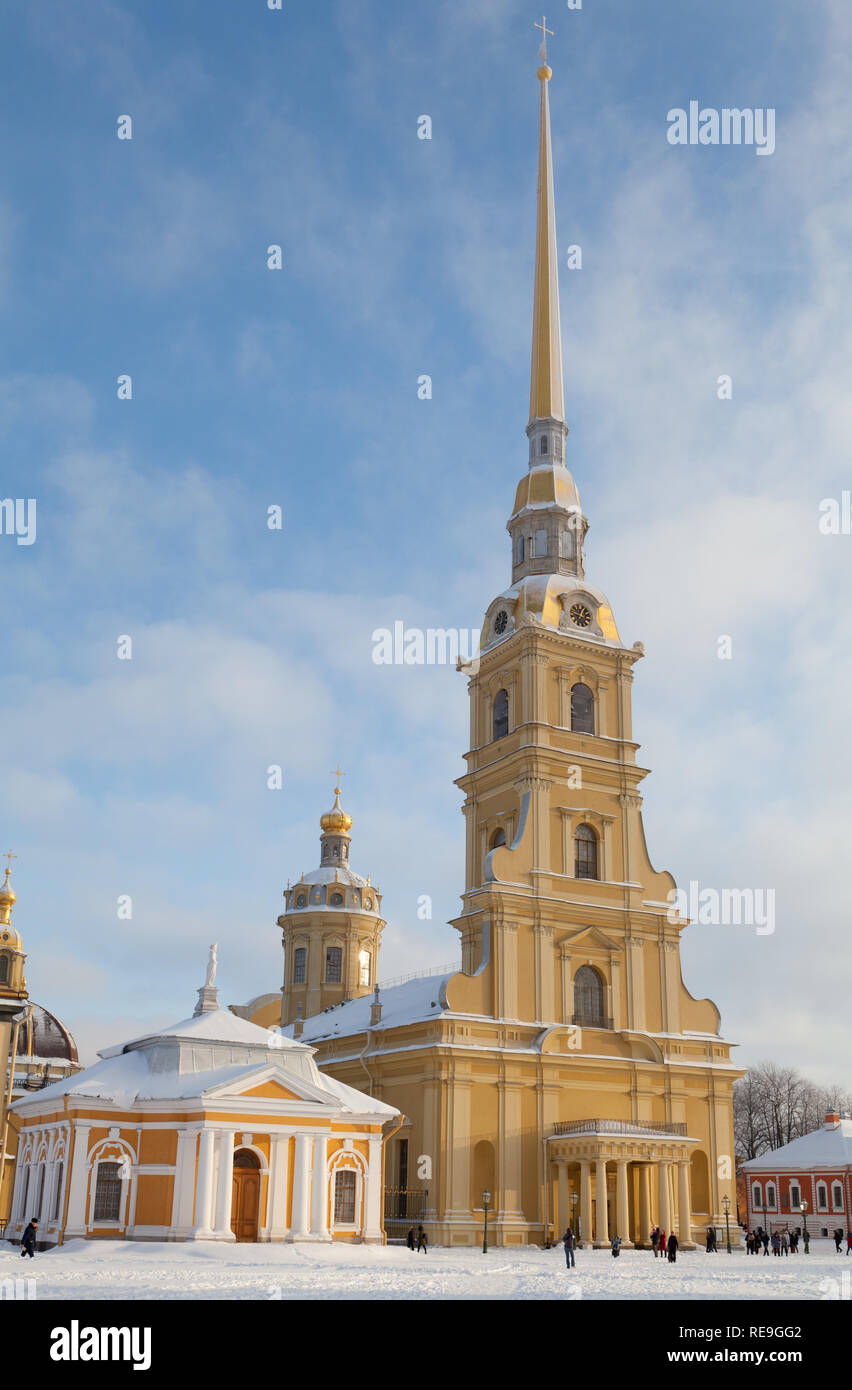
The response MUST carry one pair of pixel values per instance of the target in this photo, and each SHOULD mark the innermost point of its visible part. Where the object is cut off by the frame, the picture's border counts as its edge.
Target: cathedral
(565, 1074)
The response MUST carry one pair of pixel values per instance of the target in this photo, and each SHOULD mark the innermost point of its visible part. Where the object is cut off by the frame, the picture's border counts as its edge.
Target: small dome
(336, 821)
(8, 898)
(43, 1036)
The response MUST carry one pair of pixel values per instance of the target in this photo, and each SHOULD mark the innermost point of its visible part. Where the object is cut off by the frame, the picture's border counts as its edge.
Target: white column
(372, 1233)
(601, 1215)
(301, 1186)
(644, 1203)
(664, 1219)
(202, 1229)
(279, 1145)
(226, 1186)
(586, 1201)
(563, 1215)
(78, 1157)
(21, 1171)
(319, 1190)
(184, 1185)
(622, 1205)
(684, 1212)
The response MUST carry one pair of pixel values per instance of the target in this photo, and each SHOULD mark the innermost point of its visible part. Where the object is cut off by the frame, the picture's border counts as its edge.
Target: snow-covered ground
(125, 1269)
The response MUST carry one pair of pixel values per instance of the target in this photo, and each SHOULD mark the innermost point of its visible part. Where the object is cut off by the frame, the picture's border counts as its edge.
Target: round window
(501, 622)
(301, 900)
(580, 615)
(337, 899)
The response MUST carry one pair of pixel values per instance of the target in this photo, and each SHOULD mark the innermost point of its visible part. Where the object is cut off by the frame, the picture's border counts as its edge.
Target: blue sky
(299, 388)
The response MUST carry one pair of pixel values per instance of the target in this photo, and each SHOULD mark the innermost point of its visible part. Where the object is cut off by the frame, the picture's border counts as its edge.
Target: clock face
(579, 615)
(501, 622)
(337, 899)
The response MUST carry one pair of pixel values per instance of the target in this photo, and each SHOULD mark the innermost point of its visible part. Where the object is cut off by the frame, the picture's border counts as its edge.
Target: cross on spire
(338, 774)
(10, 856)
(544, 33)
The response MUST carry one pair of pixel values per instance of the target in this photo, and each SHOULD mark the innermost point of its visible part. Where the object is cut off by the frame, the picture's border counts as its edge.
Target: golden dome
(336, 821)
(8, 898)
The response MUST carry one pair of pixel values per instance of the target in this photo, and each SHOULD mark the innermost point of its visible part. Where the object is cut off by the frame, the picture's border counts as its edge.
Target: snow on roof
(826, 1147)
(333, 873)
(220, 1025)
(407, 1003)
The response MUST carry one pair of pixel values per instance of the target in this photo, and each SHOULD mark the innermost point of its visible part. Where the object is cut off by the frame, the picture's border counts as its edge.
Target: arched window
(795, 1196)
(365, 964)
(582, 709)
(589, 997)
(299, 961)
(501, 714)
(822, 1195)
(757, 1196)
(770, 1195)
(108, 1193)
(585, 852)
(344, 1197)
(837, 1196)
(542, 445)
(333, 965)
(4, 970)
(498, 838)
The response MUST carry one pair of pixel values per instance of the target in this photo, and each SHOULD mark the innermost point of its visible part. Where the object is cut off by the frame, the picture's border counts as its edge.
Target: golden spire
(336, 820)
(8, 896)
(546, 399)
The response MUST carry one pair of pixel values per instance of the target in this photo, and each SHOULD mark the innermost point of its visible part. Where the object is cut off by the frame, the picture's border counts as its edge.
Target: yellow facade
(566, 1070)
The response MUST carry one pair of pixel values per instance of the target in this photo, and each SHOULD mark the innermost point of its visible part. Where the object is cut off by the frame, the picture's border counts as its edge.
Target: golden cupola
(336, 821)
(12, 955)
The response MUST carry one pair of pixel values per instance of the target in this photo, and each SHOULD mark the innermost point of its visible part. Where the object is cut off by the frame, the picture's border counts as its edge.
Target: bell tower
(558, 879)
(331, 928)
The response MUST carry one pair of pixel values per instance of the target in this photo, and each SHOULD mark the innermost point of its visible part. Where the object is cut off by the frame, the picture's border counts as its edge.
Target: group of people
(779, 1242)
(416, 1240)
(661, 1244)
(664, 1245)
(838, 1240)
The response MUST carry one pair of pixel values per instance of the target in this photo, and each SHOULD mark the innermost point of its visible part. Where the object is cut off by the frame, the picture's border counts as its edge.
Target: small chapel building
(211, 1129)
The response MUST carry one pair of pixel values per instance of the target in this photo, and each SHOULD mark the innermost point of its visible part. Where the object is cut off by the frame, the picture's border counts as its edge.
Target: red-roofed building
(815, 1169)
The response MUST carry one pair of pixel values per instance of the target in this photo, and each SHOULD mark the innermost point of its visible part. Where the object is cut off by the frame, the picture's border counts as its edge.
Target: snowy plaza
(203, 1269)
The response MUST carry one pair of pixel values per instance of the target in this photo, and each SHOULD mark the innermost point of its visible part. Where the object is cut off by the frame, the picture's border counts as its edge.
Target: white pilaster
(373, 1205)
(225, 1186)
(76, 1225)
(301, 1187)
(319, 1190)
(203, 1229)
(184, 1187)
(277, 1199)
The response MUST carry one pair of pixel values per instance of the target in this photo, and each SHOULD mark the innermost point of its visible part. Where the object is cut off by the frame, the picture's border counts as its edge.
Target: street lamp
(726, 1203)
(486, 1199)
(805, 1237)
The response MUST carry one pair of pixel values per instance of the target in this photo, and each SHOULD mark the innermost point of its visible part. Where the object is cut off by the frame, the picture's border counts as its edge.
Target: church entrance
(245, 1197)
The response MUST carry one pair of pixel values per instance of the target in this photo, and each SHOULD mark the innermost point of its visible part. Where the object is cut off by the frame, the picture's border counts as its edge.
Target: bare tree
(773, 1105)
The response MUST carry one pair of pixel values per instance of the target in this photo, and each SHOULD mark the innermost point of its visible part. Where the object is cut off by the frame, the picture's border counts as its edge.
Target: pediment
(593, 938)
(272, 1082)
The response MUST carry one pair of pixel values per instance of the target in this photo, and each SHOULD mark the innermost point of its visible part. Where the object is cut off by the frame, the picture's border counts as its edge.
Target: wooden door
(245, 1197)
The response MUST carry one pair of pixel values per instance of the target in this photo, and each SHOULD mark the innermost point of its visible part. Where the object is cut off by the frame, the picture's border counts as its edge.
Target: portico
(621, 1179)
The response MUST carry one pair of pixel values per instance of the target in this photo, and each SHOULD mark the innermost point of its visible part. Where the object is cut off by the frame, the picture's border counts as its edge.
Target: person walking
(655, 1240)
(28, 1239)
(672, 1247)
(663, 1244)
(569, 1242)
(838, 1236)
(616, 1247)
(409, 1240)
(421, 1239)
(764, 1240)
(849, 1242)
(776, 1243)
(711, 1241)
(785, 1243)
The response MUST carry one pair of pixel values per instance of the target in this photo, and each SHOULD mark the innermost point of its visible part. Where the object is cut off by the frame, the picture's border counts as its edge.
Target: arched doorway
(245, 1197)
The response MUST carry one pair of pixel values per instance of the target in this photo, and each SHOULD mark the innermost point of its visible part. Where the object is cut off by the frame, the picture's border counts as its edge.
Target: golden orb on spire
(8, 896)
(336, 821)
